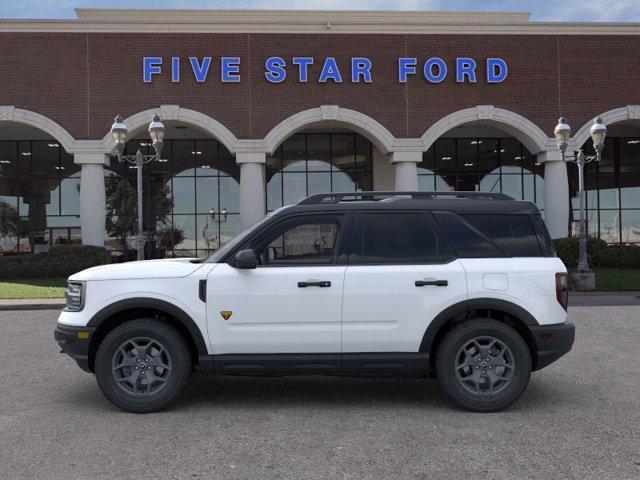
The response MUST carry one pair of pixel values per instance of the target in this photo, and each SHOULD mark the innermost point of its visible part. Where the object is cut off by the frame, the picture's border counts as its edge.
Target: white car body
(368, 308)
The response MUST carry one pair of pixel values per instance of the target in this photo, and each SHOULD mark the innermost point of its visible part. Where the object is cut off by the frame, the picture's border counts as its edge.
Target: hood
(152, 269)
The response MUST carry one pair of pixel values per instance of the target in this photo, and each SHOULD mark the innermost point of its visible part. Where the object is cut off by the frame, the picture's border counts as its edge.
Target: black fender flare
(155, 304)
(461, 309)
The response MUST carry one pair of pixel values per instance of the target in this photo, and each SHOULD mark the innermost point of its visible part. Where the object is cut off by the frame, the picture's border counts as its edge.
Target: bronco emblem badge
(226, 314)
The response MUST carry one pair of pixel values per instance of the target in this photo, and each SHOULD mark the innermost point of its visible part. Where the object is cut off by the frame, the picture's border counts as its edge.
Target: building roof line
(311, 21)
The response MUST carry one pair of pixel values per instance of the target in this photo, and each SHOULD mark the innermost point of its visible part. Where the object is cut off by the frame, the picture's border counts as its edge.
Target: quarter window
(466, 240)
(400, 238)
(512, 233)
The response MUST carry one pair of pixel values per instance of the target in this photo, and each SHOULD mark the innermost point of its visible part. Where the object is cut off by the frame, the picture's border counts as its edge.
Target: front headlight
(74, 296)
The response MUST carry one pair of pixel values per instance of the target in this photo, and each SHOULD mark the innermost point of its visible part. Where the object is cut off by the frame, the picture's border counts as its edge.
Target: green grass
(617, 279)
(29, 288)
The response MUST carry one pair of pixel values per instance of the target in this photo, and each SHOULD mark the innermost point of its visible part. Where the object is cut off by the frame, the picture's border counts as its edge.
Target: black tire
(479, 393)
(170, 350)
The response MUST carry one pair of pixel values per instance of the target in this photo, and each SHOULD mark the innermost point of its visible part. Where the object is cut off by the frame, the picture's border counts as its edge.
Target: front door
(290, 303)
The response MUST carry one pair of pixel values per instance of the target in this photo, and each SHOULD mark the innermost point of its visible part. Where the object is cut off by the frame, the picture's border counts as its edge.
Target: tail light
(562, 289)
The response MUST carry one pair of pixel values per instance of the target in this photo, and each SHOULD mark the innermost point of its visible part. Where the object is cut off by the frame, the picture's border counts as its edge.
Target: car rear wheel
(143, 365)
(483, 365)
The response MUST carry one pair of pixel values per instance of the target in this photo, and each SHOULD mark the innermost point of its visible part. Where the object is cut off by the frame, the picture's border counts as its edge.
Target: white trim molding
(312, 21)
(9, 113)
(512, 123)
(617, 115)
(177, 113)
(374, 131)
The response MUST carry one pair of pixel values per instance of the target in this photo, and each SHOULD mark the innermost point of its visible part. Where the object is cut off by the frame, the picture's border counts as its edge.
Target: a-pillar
(556, 194)
(252, 187)
(406, 165)
(92, 197)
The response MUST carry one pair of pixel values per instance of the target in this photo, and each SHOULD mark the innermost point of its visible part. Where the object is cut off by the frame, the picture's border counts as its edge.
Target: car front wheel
(143, 365)
(483, 365)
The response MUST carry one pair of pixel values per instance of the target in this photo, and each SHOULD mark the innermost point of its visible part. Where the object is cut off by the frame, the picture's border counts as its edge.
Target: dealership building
(263, 108)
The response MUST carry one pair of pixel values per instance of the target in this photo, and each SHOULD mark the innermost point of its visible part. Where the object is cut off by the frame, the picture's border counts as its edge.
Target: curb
(4, 307)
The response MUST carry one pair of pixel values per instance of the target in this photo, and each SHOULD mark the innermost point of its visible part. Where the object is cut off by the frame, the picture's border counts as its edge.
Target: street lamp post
(598, 133)
(156, 132)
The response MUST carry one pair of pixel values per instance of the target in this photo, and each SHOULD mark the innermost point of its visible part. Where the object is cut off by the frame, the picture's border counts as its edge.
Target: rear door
(291, 303)
(401, 274)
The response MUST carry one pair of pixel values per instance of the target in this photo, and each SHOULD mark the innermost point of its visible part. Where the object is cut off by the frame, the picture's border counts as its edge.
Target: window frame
(357, 240)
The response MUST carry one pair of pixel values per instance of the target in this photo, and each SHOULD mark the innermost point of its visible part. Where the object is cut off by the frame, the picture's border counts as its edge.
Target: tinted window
(311, 242)
(512, 233)
(544, 240)
(466, 240)
(401, 238)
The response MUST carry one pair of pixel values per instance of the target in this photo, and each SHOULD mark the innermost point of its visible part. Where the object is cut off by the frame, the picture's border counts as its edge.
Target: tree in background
(122, 215)
(9, 222)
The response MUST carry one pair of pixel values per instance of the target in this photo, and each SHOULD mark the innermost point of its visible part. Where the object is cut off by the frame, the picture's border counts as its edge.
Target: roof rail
(377, 196)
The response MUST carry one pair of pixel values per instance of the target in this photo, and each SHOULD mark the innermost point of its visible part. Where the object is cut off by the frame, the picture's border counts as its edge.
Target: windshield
(238, 239)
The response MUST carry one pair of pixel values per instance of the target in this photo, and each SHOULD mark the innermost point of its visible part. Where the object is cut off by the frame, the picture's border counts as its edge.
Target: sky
(542, 10)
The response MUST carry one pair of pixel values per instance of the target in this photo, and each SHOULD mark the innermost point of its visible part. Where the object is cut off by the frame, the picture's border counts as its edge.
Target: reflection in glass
(309, 163)
(630, 226)
(610, 226)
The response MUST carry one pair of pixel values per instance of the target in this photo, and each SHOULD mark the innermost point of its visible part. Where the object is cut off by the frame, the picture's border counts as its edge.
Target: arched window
(308, 163)
(612, 187)
(482, 164)
(39, 194)
(191, 197)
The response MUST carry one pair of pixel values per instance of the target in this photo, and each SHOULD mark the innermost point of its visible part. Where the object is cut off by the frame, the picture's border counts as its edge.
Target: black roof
(457, 202)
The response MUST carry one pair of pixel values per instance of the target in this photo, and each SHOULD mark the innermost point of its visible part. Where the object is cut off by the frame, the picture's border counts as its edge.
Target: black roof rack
(377, 196)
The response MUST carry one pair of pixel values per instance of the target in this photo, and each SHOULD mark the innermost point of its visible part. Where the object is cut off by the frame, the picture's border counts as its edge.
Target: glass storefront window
(194, 190)
(481, 164)
(612, 190)
(308, 163)
(39, 196)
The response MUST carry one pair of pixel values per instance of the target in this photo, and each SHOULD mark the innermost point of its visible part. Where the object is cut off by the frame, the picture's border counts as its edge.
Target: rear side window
(466, 240)
(546, 244)
(512, 233)
(394, 238)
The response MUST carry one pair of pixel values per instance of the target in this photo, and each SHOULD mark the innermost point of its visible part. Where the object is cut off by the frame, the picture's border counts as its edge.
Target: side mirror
(246, 259)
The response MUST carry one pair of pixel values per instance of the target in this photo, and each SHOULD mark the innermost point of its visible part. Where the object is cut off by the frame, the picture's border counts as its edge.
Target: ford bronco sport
(461, 285)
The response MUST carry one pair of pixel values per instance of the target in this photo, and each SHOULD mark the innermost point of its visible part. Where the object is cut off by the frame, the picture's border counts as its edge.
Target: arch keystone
(329, 112)
(6, 113)
(169, 112)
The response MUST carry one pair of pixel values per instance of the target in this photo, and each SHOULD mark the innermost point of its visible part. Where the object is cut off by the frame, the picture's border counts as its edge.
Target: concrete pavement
(579, 418)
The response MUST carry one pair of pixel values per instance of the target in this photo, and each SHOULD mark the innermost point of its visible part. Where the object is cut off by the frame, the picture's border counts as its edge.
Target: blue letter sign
(200, 71)
(496, 70)
(150, 66)
(434, 69)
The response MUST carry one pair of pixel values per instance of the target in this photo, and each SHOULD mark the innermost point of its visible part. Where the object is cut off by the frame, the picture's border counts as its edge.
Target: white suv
(465, 286)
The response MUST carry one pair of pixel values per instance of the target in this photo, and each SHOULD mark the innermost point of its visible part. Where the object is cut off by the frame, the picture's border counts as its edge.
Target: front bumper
(75, 341)
(552, 342)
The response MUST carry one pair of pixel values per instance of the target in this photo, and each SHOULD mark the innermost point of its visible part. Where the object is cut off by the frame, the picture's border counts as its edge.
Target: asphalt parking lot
(580, 418)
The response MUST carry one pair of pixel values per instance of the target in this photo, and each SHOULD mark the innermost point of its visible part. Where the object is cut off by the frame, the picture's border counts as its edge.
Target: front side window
(392, 238)
(303, 243)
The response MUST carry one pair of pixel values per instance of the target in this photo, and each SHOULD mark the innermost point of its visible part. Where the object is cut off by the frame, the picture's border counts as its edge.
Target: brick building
(265, 107)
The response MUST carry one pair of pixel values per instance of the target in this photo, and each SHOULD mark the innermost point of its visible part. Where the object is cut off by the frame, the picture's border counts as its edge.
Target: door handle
(315, 283)
(437, 283)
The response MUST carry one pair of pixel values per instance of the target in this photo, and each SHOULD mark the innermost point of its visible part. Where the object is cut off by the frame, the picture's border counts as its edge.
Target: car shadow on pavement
(224, 392)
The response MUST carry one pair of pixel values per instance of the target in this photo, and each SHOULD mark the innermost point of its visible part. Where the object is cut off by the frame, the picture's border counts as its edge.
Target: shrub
(61, 261)
(599, 254)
